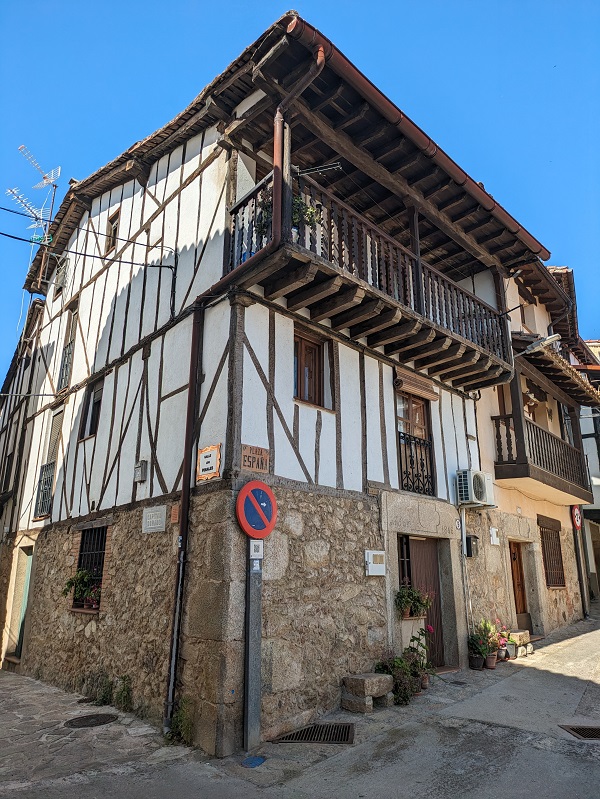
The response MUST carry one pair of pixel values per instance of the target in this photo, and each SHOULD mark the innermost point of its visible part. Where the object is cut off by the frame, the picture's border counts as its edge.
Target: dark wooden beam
(442, 184)
(362, 111)
(345, 299)
(329, 96)
(530, 371)
(356, 314)
(396, 333)
(424, 336)
(490, 378)
(290, 281)
(457, 375)
(454, 352)
(379, 322)
(312, 294)
(470, 357)
(430, 348)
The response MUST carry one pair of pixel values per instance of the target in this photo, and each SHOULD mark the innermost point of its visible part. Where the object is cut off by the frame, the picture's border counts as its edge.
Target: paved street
(473, 734)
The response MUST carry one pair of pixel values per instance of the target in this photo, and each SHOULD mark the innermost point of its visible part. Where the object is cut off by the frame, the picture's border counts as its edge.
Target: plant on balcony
(80, 584)
(302, 213)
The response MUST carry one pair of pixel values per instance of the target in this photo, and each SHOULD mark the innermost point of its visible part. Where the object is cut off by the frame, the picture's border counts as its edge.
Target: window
(7, 472)
(67, 356)
(62, 274)
(404, 559)
(91, 560)
(414, 444)
(112, 230)
(551, 552)
(43, 501)
(91, 409)
(308, 369)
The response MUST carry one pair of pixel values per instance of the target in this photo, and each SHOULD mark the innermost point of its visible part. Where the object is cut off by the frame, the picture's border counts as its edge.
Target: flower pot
(476, 662)
(511, 650)
(425, 681)
(502, 653)
(490, 661)
(406, 613)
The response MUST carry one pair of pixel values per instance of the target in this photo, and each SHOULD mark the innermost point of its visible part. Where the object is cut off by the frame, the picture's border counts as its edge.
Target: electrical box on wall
(374, 563)
(494, 538)
(140, 472)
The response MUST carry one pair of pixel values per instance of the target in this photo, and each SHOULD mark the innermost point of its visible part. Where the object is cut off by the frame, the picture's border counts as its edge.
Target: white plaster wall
(254, 405)
(482, 285)
(390, 424)
(374, 455)
(352, 444)
(286, 462)
(216, 335)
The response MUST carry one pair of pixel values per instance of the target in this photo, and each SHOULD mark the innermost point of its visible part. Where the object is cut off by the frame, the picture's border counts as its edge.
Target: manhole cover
(342, 733)
(93, 720)
(584, 733)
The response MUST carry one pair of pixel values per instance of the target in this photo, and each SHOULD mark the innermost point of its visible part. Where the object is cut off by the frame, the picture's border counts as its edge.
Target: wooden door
(425, 575)
(516, 562)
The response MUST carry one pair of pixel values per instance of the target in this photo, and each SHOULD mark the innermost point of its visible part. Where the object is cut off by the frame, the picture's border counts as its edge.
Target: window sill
(41, 518)
(85, 611)
(314, 405)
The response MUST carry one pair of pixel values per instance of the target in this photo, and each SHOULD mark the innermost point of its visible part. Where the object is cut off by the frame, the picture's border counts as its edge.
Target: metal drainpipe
(196, 367)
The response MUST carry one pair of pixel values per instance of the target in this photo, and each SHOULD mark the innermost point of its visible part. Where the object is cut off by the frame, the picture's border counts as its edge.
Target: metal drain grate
(342, 733)
(457, 682)
(584, 733)
(93, 720)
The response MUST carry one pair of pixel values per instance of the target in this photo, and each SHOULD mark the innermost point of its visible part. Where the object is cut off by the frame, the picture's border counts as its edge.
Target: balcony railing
(343, 237)
(416, 466)
(542, 449)
(43, 500)
(65, 366)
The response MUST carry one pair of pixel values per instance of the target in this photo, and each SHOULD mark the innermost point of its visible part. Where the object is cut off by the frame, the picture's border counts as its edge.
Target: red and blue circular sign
(256, 509)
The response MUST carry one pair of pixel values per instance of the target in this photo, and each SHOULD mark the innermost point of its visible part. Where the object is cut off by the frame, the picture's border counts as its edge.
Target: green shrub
(122, 694)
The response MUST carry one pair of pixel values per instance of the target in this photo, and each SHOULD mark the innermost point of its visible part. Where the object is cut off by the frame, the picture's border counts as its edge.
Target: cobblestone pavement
(472, 735)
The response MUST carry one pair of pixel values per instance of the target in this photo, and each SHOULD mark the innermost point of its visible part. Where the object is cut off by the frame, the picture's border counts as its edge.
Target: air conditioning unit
(474, 489)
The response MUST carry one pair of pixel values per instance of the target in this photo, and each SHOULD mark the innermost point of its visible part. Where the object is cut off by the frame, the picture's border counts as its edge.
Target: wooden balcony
(342, 268)
(547, 465)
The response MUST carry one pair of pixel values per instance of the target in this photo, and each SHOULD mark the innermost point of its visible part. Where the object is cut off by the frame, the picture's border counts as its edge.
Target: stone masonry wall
(322, 618)
(130, 635)
(490, 576)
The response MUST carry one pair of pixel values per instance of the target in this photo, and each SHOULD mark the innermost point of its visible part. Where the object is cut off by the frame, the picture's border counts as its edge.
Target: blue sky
(511, 90)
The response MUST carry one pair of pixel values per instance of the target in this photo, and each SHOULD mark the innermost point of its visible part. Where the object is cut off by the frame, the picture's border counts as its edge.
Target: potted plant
(478, 650)
(421, 602)
(419, 645)
(80, 583)
(93, 595)
(303, 215)
(405, 597)
(487, 631)
(401, 670)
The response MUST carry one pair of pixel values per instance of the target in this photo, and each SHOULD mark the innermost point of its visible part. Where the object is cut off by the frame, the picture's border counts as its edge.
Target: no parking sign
(256, 509)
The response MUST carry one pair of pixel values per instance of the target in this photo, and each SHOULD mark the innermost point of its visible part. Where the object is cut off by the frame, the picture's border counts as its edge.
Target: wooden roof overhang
(573, 385)
(388, 163)
(567, 324)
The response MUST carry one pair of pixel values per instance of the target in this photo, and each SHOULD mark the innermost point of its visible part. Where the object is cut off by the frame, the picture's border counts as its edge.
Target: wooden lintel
(396, 333)
(248, 116)
(268, 267)
(453, 352)
(294, 279)
(356, 314)
(396, 183)
(422, 337)
(430, 348)
(232, 143)
(272, 55)
(313, 294)
(345, 299)
(379, 322)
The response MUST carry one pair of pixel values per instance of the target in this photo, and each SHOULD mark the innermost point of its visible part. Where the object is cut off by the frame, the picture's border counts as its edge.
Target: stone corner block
(369, 684)
(357, 704)
(521, 636)
(387, 700)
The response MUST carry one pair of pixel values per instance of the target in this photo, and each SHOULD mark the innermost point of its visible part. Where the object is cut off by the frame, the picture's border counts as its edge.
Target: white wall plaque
(154, 520)
(209, 463)
(374, 563)
(257, 548)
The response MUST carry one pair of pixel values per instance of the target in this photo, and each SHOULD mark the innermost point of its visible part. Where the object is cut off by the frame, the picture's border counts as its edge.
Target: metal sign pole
(252, 682)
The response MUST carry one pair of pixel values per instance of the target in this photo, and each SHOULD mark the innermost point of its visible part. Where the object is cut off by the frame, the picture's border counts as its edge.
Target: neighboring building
(293, 273)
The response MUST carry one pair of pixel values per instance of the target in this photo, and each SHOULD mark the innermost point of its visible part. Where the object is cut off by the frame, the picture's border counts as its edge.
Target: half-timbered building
(289, 281)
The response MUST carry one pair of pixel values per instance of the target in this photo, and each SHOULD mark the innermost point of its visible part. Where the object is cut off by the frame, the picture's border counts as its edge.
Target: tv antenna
(41, 217)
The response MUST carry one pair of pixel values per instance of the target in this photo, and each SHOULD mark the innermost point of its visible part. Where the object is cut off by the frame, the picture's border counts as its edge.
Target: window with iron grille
(91, 560)
(43, 501)
(404, 560)
(552, 557)
(415, 449)
(66, 363)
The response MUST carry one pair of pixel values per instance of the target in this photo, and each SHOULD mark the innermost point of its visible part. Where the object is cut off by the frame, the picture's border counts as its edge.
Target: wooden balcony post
(415, 246)
(574, 413)
(518, 416)
(287, 199)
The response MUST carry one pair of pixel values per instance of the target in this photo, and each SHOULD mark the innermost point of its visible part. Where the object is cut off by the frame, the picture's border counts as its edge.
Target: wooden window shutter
(54, 436)
(418, 385)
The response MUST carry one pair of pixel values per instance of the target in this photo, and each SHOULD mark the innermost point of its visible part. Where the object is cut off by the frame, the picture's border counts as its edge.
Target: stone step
(371, 684)
(522, 637)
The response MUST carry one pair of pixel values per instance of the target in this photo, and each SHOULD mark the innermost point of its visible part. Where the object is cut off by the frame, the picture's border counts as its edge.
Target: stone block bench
(361, 691)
